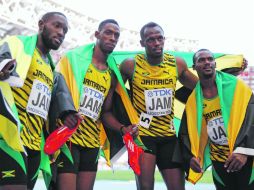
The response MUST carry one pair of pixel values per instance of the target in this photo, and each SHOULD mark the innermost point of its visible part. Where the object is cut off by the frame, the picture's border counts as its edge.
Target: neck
(209, 88)
(41, 47)
(43, 53)
(99, 59)
(154, 61)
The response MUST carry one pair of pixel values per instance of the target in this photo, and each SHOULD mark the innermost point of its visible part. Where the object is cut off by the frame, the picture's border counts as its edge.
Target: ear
(41, 25)
(193, 66)
(142, 43)
(96, 34)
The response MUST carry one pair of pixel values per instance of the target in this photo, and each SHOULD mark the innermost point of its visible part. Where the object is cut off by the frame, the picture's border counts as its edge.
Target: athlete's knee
(177, 187)
(146, 185)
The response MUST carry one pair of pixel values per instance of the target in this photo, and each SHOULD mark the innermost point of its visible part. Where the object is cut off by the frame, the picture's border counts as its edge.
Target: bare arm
(127, 69)
(109, 119)
(186, 77)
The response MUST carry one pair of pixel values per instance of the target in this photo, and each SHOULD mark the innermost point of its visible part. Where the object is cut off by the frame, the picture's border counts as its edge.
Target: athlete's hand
(4, 75)
(244, 64)
(71, 120)
(8, 68)
(235, 162)
(195, 165)
(132, 129)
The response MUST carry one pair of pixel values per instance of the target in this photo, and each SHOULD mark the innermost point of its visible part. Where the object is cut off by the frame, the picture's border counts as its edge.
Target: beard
(105, 50)
(155, 56)
(209, 76)
(47, 41)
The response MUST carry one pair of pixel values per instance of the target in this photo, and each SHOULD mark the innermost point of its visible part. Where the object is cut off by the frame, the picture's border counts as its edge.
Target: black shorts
(33, 164)
(163, 148)
(238, 180)
(11, 172)
(85, 159)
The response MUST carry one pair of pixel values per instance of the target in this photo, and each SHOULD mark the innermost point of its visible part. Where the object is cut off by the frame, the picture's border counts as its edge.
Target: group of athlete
(216, 128)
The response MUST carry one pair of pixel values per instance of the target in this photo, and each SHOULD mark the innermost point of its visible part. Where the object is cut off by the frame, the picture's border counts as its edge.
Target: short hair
(194, 58)
(47, 15)
(148, 25)
(104, 22)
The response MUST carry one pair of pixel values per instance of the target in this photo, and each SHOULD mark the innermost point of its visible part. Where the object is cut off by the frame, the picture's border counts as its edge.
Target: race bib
(91, 102)
(39, 99)
(145, 120)
(158, 101)
(216, 131)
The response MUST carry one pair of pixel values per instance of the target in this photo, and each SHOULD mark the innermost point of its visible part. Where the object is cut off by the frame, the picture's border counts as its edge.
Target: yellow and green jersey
(153, 91)
(95, 89)
(219, 148)
(33, 100)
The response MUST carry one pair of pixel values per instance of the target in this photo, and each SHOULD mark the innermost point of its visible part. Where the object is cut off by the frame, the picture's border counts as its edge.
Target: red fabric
(56, 139)
(134, 153)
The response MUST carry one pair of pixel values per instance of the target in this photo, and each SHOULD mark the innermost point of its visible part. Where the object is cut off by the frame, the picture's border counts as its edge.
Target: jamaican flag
(20, 48)
(237, 106)
(14, 48)
(10, 141)
(71, 72)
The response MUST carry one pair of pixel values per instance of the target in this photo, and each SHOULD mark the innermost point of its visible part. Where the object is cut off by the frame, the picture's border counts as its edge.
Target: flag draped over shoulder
(237, 106)
(20, 48)
(73, 67)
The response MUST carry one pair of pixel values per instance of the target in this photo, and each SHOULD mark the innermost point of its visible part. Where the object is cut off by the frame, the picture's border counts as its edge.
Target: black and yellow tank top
(95, 89)
(153, 92)
(219, 148)
(33, 100)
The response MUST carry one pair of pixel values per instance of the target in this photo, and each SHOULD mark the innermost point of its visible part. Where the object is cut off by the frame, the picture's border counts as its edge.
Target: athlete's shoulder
(169, 55)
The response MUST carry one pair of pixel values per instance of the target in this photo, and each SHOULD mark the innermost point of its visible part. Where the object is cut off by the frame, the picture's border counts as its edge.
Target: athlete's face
(107, 37)
(153, 41)
(205, 64)
(53, 31)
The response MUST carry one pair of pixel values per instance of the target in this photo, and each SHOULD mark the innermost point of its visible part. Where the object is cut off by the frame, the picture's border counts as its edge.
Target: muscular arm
(186, 77)
(127, 69)
(107, 116)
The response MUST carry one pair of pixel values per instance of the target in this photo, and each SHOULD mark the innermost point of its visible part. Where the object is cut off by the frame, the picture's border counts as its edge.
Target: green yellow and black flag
(20, 48)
